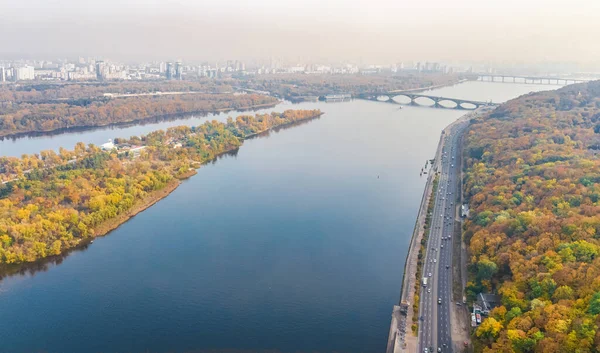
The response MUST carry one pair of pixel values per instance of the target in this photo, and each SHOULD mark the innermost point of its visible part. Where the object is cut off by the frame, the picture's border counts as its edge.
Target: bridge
(388, 97)
(529, 79)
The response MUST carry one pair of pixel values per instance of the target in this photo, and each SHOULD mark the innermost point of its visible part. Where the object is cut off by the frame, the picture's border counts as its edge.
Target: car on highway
(434, 260)
(428, 290)
(439, 300)
(429, 274)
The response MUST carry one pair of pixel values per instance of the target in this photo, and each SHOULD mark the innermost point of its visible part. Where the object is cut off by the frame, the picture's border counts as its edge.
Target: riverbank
(399, 338)
(138, 207)
(162, 157)
(282, 126)
(103, 229)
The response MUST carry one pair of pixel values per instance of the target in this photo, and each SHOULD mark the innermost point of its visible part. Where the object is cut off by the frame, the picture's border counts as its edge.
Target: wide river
(295, 244)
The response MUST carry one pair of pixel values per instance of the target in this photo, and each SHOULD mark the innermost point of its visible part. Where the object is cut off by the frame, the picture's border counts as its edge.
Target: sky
(366, 31)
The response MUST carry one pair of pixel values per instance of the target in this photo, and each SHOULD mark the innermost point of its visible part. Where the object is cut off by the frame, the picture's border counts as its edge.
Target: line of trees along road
(533, 184)
(56, 201)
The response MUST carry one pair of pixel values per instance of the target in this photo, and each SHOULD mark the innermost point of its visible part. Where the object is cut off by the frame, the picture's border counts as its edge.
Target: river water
(296, 243)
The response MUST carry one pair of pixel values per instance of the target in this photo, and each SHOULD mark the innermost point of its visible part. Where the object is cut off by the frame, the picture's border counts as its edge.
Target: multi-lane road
(436, 294)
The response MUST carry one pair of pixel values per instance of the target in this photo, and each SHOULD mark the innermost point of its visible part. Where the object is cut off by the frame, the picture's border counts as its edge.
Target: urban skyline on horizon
(90, 68)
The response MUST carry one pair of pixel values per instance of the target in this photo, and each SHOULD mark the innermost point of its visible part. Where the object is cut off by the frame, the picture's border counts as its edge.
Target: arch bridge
(458, 103)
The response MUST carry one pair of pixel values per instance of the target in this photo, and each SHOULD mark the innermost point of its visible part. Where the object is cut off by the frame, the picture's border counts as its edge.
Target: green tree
(594, 307)
(486, 269)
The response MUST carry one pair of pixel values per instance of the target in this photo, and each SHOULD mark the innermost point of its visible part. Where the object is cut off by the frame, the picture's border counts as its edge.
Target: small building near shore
(464, 211)
(107, 146)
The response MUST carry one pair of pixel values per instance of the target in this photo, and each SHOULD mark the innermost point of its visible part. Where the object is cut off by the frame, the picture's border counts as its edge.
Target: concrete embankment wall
(400, 338)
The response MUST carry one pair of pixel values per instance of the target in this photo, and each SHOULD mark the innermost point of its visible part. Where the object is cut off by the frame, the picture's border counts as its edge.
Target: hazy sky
(381, 31)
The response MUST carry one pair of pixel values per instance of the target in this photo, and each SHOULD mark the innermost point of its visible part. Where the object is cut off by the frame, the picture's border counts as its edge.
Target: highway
(436, 296)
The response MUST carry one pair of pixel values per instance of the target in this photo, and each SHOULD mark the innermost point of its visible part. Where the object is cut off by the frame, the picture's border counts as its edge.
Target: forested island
(533, 184)
(53, 202)
(293, 86)
(37, 107)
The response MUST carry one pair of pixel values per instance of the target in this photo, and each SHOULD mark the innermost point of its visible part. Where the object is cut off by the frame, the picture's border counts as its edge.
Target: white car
(429, 274)
(434, 260)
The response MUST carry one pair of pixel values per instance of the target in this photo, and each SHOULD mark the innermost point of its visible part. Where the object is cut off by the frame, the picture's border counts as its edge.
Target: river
(296, 243)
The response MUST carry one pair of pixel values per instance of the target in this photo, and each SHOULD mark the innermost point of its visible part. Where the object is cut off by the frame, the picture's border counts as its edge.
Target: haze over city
(381, 32)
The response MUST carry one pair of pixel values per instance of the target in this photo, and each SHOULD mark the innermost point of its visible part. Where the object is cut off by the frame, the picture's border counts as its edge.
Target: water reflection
(41, 265)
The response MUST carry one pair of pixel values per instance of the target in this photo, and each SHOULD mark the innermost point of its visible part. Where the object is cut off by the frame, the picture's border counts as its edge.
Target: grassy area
(457, 289)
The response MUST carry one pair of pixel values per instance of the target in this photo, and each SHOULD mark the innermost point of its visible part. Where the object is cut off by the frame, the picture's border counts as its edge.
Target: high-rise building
(169, 71)
(178, 70)
(2, 74)
(24, 73)
(100, 70)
